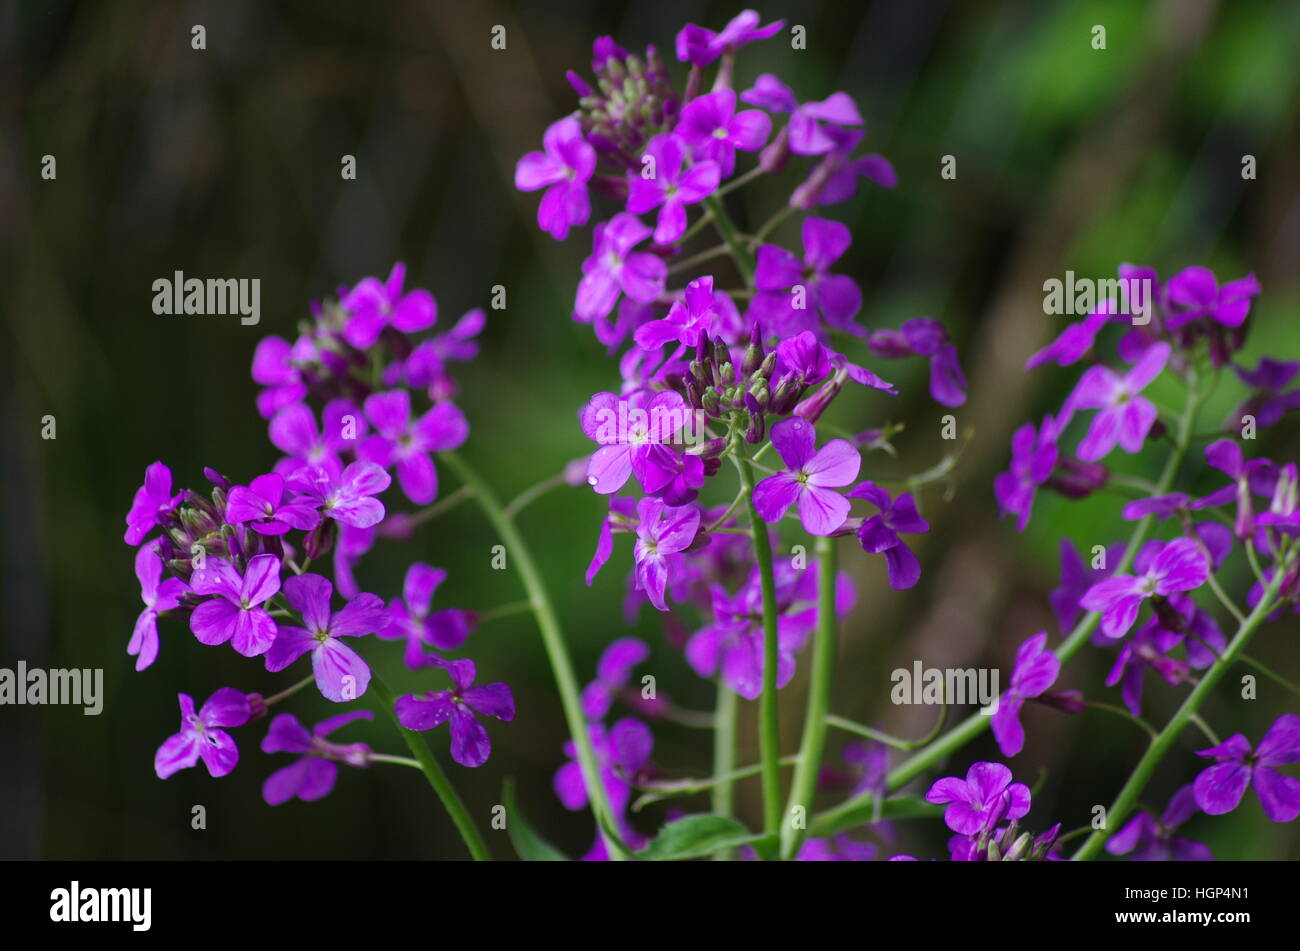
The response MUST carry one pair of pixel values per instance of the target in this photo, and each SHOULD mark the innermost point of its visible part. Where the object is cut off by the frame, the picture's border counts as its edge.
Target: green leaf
(530, 846)
(696, 836)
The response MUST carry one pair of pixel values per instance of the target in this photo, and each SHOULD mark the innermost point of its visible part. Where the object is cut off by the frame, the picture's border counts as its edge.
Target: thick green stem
(553, 640)
(813, 745)
(740, 252)
(451, 800)
(1161, 744)
(724, 758)
(769, 727)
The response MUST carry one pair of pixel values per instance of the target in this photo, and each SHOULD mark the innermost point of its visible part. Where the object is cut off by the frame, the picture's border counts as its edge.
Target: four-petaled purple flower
(412, 620)
(201, 738)
(152, 500)
(664, 530)
(158, 596)
(405, 443)
(1219, 789)
(700, 47)
(235, 614)
(1194, 293)
(346, 497)
(810, 479)
(713, 129)
(294, 432)
(612, 672)
(689, 320)
(986, 797)
(1126, 416)
(312, 775)
(1256, 477)
(470, 744)
(792, 293)
(1035, 670)
(563, 170)
(374, 305)
(1033, 457)
(614, 267)
(262, 502)
(1153, 840)
(666, 185)
(879, 533)
(1178, 566)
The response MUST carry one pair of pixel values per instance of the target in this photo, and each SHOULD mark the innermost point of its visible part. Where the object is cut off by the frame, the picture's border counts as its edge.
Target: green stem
(727, 229)
(1137, 781)
(813, 746)
(724, 758)
(504, 610)
(553, 640)
(451, 800)
(769, 732)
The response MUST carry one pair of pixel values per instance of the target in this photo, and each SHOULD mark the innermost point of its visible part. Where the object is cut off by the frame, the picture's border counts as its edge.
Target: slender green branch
(1269, 673)
(850, 726)
(724, 757)
(443, 505)
(655, 792)
(739, 252)
(532, 494)
(503, 611)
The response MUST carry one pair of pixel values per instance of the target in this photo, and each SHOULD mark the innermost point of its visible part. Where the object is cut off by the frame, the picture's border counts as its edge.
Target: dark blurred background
(226, 162)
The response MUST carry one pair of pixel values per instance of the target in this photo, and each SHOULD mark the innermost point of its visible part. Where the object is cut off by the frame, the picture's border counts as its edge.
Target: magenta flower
(406, 443)
(1076, 578)
(275, 367)
(470, 745)
(1126, 417)
(690, 320)
(1194, 293)
(1073, 342)
(312, 775)
(340, 672)
(713, 129)
(700, 47)
(351, 545)
(1179, 566)
(925, 337)
(810, 479)
(1256, 477)
(792, 293)
(294, 432)
(1219, 789)
(984, 798)
(633, 433)
(262, 502)
(347, 497)
(563, 170)
(622, 757)
(1035, 670)
(234, 614)
(201, 738)
(670, 186)
(375, 305)
(612, 673)
(413, 620)
(1270, 399)
(1153, 840)
(1033, 457)
(613, 268)
(152, 501)
(664, 531)
(879, 534)
(158, 596)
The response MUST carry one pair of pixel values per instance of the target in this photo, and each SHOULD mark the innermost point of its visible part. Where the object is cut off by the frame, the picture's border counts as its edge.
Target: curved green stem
(451, 800)
(813, 746)
(553, 640)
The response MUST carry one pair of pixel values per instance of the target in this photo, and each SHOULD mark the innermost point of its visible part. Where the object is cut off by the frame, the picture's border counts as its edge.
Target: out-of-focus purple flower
(700, 47)
(613, 268)
(838, 848)
(201, 738)
(152, 501)
(1219, 789)
(925, 337)
(1194, 293)
(234, 614)
(622, 758)
(158, 596)
(470, 745)
(612, 673)
(1126, 416)
(810, 478)
(1035, 670)
(979, 802)
(340, 672)
(352, 544)
(835, 177)
(1270, 399)
(312, 775)
(670, 187)
(426, 367)
(1179, 566)
(1256, 477)
(713, 129)
(1076, 578)
(262, 502)
(793, 293)
(1182, 621)
(563, 170)
(413, 620)
(375, 305)
(663, 532)
(879, 533)
(405, 443)
(294, 432)
(274, 368)
(1153, 840)
(1033, 457)
(347, 497)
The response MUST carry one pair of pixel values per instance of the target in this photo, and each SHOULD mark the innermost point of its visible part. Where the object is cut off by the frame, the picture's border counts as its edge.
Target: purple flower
(810, 478)
(375, 305)
(200, 737)
(406, 443)
(1151, 645)
(808, 135)
(835, 177)
(792, 293)
(1152, 840)
(1194, 293)
(663, 532)
(1035, 670)
(234, 614)
(1219, 789)
(621, 517)
(614, 267)
(1256, 477)
(689, 320)
(563, 170)
(340, 672)
(274, 367)
(925, 337)
(158, 596)
(1179, 566)
(426, 367)
(1076, 578)
(713, 129)
(1074, 341)
(294, 432)
(470, 744)
(879, 534)
(1033, 457)
(700, 47)
(351, 545)
(1126, 417)
(346, 497)
(670, 187)
(1268, 402)
(622, 756)
(612, 673)
(262, 503)
(312, 775)
(984, 798)
(152, 501)
(413, 620)
(633, 433)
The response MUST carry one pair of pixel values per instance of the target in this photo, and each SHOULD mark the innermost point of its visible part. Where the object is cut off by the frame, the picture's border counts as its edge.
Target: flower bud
(321, 538)
(1077, 480)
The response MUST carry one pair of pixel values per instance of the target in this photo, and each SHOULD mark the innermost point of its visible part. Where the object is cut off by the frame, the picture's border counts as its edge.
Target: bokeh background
(226, 163)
